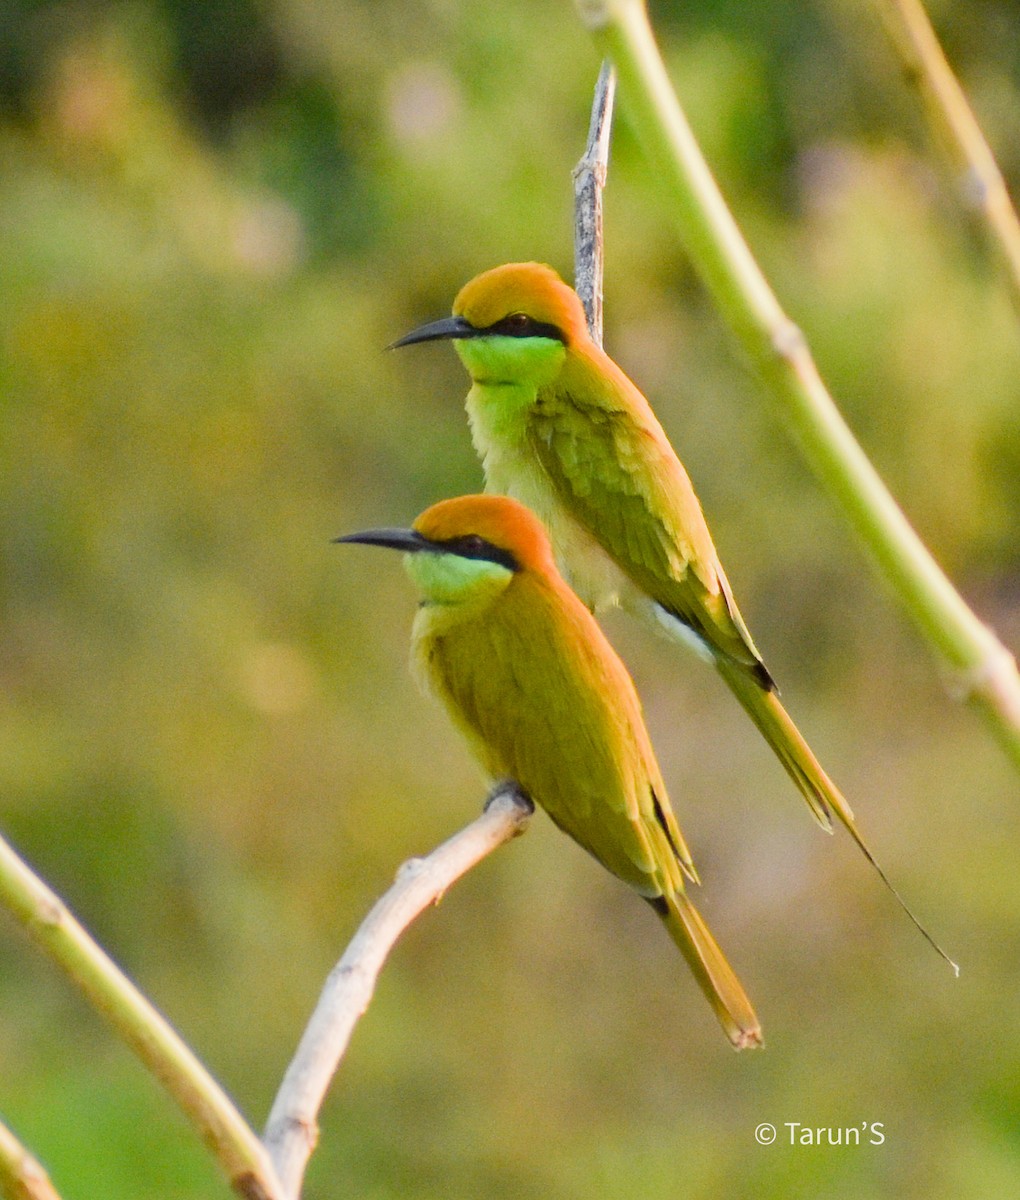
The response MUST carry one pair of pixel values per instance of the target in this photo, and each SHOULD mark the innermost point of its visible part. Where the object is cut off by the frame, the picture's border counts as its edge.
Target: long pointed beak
(448, 327)
(408, 540)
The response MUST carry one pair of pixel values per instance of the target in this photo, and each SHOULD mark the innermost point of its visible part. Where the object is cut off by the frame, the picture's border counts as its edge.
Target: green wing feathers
(544, 700)
(612, 467)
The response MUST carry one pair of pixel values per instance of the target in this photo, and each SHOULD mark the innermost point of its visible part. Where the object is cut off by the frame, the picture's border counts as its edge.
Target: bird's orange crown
(499, 520)
(531, 288)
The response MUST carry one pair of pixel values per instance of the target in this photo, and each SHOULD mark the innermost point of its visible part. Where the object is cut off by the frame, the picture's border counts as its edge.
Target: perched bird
(528, 676)
(559, 426)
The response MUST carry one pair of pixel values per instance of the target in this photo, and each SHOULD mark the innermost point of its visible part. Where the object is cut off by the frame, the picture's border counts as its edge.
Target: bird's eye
(472, 545)
(520, 325)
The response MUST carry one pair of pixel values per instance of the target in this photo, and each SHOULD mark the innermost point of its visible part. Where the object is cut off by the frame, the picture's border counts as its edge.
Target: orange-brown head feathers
(498, 520)
(532, 289)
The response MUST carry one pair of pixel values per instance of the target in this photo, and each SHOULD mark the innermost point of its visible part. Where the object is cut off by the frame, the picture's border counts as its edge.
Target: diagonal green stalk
(982, 671)
(51, 926)
(955, 126)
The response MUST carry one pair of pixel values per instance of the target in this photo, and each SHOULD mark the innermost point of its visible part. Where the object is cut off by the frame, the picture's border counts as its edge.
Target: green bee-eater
(528, 676)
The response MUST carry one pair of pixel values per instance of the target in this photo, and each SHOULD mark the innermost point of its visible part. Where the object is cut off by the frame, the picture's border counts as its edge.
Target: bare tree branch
(21, 1177)
(589, 180)
(292, 1128)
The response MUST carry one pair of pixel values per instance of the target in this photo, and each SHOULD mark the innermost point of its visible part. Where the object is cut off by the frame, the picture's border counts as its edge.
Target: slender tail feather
(777, 728)
(823, 797)
(714, 974)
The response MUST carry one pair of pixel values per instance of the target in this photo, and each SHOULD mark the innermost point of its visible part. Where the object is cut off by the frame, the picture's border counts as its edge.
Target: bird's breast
(512, 468)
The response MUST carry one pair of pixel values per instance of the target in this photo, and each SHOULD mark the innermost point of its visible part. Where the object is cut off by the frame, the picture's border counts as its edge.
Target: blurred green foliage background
(213, 216)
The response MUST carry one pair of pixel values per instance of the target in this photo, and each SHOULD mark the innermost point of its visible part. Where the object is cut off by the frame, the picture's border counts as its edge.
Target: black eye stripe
(473, 546)
(522, 326)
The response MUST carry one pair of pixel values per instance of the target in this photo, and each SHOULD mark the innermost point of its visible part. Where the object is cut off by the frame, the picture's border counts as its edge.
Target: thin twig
(21, 1177)
(52, 927)
(955, 126)
(292, 1128)
(589, 180)
(970, 651)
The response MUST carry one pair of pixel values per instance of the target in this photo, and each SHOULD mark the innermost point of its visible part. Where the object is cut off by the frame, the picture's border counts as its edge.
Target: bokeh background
(214, 214)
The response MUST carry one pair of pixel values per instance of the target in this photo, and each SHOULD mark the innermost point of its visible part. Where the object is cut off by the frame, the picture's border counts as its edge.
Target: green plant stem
(52, 927)
(955, 126)
(21, 1177)
(982, 671)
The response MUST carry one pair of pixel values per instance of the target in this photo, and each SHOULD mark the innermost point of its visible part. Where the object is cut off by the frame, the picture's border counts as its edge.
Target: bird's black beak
(408, 540)
(448, 327)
